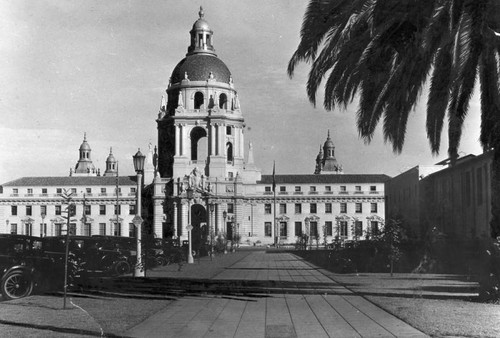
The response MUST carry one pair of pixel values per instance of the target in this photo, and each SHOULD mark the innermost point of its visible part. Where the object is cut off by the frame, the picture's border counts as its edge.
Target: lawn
(437, 304)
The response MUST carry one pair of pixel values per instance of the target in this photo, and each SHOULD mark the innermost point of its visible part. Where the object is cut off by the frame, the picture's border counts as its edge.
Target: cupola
(111, 165)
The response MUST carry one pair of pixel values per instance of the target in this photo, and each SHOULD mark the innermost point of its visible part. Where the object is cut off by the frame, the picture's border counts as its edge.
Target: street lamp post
(189, 194)
(211, 229)
(224, 215)
(139, 167)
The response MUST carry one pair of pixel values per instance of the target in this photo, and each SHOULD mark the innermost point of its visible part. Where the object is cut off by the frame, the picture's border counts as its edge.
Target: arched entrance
(200, 227)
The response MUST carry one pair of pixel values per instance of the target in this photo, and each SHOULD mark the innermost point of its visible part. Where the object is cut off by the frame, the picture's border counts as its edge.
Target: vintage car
(21, 261)
(28, 263)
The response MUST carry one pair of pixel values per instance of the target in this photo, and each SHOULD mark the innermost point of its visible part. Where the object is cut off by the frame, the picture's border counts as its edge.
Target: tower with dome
(206, 182)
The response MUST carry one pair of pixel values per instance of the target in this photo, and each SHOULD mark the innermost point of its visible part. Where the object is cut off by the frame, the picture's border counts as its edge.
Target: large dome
(198, 68)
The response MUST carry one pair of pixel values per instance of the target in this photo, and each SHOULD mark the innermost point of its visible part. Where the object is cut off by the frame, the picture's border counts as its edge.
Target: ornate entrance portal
(200, 228)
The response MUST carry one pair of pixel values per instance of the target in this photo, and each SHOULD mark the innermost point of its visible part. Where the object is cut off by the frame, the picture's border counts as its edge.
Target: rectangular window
(133, 190)
(118, 209)
(343, 208)
(230, 208)
(374, 227)
(13, 229)
(15, 191)
(314, 229)
(298, 208)
(282, 188)
(328, 208)
(312, 188)
(282, 208)
(103, 190)
(267, 229)
(58, 229)
(228, 130)
(358, 228)
(373, 188)
(43, 210)
(298, 228)
(117, 229)
(467, 189)
(359, 207)
(30, 191)
(58, 210)
(328, 228)
(357, 188)
(267, 209)
(267, 189)
(13, 210)
(131, 230)
(44, 190)
(102, 229)
(328, 188)
(86, 229)
(88, 209)
(102, 210)
(298, 189)
(479, 179)
(373, 207)
(88, 190)
(59, 191)
(283, 229)
(313, 208)
(343, 228)
(72, 229)
(131, 209)
(343, 188)
(73, 191)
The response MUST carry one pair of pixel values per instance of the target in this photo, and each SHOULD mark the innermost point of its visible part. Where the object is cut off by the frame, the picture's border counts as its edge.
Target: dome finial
(110, 150)
(84, 136)
(201, 13)
(328, 133)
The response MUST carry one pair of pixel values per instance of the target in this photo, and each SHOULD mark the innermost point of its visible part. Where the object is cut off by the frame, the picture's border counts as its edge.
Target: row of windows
(86, 230)
(72, 190)
(59, 209)
(342, 230)
(312, 188)
(313, 208)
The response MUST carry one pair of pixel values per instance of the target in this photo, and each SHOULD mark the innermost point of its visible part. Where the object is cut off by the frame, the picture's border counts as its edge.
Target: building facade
(105, 205)
(202, 177)
(454, 199)
(205, 184)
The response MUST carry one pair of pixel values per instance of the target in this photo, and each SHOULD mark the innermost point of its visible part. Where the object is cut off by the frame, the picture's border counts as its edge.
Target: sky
(101, 67)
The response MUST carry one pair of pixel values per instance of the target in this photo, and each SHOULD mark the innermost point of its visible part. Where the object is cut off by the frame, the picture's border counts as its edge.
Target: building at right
(453, 199)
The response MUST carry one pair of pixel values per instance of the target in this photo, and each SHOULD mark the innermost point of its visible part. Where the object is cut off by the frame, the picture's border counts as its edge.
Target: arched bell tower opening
(198, 100)
(199, 145)
(223, 101)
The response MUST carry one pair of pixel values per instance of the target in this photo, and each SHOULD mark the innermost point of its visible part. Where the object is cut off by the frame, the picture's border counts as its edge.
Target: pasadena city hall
(204, 177)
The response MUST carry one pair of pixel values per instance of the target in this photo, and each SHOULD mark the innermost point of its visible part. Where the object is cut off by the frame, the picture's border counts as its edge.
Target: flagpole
(274, 192)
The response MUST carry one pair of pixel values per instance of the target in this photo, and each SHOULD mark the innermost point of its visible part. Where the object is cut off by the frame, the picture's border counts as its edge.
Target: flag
(274, 176)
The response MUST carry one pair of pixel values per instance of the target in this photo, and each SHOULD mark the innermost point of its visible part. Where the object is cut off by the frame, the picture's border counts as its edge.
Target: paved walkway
(335, 313)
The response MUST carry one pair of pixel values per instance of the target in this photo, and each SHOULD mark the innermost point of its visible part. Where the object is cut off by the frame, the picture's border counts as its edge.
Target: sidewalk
(330, 311)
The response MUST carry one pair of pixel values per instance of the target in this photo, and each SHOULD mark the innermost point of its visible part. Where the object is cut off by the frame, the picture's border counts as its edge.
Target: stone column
(177, 139)
(175, 220)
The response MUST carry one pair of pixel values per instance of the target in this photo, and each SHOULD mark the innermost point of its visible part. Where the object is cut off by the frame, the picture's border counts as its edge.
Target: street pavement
(311, 303)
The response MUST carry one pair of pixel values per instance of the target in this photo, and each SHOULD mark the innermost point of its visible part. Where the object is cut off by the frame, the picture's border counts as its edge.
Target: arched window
(199, 145)
(222, 101)
(198, 100)
(229, 151)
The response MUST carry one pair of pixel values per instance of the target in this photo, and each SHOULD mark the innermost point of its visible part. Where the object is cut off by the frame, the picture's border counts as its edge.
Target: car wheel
(122, 268)
(16, 284)
(160, 261)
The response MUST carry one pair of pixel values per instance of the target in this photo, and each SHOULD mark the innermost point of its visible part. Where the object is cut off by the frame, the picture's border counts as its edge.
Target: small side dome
(85, 145)
(111, 158)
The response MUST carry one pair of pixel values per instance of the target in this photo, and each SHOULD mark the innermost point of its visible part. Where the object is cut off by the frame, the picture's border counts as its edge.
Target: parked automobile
(22, 262)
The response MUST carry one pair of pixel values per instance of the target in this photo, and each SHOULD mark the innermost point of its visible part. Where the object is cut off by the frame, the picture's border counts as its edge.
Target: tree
(385, 51)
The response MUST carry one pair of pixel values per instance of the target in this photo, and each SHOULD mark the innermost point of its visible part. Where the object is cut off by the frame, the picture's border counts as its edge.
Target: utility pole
(69, 210)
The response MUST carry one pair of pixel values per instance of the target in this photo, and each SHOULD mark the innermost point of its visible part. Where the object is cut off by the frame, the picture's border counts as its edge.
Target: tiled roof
(71, 180)
(324, 179)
